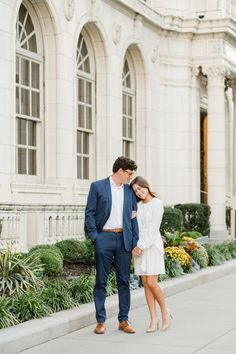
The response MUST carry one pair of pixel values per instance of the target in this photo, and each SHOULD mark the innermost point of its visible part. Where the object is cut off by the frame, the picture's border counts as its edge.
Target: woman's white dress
(149, 216)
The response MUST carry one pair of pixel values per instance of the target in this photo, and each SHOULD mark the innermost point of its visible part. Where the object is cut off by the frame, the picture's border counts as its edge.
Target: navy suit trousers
(109, 246)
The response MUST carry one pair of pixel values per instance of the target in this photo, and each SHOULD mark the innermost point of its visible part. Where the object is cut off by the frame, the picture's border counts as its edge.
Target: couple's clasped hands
(137, 251)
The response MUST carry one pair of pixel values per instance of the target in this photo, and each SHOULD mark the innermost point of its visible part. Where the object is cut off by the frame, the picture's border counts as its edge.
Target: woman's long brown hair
(141, 182)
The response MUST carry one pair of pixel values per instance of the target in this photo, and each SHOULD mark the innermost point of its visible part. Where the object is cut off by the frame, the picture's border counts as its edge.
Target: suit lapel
(125, 198)
(108, 191)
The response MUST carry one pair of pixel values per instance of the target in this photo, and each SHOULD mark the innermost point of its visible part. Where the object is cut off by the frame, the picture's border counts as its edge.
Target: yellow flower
(179, 254)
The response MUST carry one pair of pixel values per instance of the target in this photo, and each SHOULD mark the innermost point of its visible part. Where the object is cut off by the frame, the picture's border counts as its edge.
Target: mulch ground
(75, 269)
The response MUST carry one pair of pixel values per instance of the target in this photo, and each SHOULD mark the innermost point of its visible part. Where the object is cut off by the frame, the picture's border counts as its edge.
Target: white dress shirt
(115, 220)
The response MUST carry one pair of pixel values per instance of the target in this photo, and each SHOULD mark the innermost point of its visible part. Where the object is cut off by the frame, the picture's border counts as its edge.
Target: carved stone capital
(116, 33)
(215, 71)
(69, 9)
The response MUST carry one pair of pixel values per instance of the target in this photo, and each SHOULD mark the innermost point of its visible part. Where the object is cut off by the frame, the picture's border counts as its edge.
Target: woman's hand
(137, 251)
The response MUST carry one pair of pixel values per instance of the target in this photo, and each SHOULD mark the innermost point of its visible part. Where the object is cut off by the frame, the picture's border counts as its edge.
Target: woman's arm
(149, 233)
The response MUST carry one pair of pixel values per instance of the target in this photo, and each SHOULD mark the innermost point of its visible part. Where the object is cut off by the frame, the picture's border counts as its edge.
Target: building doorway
(203, 158)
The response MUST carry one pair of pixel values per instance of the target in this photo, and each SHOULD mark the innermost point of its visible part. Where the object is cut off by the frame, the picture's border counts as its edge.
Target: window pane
(35, 104)
(124, 103)
(17, 100)
(126, 149)
(25, 72)
(33, 44)
(88, 92)
(81, 95)
(84, 51)
(25, 102)
(31, 162)
(81, 116)
(79, 167)
(29, 25)
(88, 117)
(87, 66)
(35, 75)
(124, 127)
(17, 70)
(86, 143)
(21, 131)
(86, 167)
(79, 142)
(31, 133)
(22, 161)
(130, 113)
(130, 128)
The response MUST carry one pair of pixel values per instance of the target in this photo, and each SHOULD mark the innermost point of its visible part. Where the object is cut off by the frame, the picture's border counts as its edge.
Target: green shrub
(82, 288)
(232, 248)
(192, 234)
(163, 277)
(173, 267)
(18, 274)
(75, 251)
(57, 295)
(51, 260)
(224, 250)
(172, 239)
(172, 220)
(200, 256)
(7, 318)
(196, 217)
(50, 247)
(29, 305)
(215, 257)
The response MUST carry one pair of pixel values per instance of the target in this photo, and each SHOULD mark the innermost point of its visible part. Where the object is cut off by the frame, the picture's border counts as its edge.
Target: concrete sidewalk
(203, 305)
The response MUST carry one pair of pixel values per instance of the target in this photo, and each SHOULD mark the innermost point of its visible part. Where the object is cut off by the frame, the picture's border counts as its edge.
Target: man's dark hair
(125, 163)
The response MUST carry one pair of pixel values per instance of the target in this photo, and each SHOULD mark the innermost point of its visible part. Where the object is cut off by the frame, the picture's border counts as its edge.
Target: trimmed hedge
(196, 217)
(172, 220)
(75, 251)
(51, 260)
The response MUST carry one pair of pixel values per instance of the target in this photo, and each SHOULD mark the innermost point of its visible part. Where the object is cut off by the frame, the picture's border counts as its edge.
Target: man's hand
(137, 251)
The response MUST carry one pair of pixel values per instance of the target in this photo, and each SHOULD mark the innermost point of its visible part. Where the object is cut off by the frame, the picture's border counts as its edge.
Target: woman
(149, 252)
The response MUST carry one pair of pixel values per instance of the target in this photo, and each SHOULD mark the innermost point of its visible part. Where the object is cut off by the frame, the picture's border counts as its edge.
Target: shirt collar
(113, 184)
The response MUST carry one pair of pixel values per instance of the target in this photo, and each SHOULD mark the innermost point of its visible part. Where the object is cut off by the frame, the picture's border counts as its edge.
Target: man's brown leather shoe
(100, 328)
(125, 326)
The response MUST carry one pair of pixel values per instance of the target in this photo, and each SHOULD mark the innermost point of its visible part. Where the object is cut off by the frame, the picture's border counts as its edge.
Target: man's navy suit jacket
(98, 210)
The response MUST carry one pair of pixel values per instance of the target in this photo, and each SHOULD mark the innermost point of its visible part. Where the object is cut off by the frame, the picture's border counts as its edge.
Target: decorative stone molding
(232, 84)
(116, 33)
(195, 70)
(138, 24)
(96, 6)
(69, 9)
(215, 71)
(154, 53)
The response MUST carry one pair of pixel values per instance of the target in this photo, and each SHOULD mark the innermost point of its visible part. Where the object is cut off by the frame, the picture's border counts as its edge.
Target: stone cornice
(170, 25)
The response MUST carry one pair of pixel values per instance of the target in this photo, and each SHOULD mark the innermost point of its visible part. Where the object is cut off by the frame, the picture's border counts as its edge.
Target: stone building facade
(85, 81)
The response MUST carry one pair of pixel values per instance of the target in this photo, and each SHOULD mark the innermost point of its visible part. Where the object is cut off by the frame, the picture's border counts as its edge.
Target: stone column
(195, 134)
(216, 150)
(233, 86)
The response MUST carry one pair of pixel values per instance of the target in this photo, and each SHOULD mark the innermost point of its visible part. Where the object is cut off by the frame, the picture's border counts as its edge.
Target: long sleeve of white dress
(149, 227)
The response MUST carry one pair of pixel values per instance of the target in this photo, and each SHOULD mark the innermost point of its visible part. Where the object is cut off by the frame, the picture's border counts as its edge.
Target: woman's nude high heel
(153, 328)
(170, 317)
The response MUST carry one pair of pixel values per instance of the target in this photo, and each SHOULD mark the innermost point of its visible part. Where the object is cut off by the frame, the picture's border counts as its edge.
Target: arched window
(28, 94)
(85, 105)
(128, 108)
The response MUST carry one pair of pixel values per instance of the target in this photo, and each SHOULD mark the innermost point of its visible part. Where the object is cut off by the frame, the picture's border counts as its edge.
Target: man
(110, 218)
